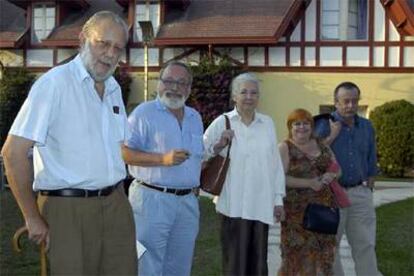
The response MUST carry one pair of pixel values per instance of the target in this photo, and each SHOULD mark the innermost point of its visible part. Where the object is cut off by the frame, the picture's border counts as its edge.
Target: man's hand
(371, 183)
(175, 157)
(335, 128)
(279, 213)
(38, 230)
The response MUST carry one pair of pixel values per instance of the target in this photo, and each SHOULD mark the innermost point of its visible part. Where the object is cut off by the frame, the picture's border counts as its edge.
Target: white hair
(243, 78)
(94, 20)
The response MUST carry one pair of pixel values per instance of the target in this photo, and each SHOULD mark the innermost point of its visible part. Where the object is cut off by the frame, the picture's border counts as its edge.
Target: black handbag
(321, 219)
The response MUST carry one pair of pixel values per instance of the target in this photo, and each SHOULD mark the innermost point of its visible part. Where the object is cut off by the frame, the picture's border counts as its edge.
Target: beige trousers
(90, 236)
(358, 222)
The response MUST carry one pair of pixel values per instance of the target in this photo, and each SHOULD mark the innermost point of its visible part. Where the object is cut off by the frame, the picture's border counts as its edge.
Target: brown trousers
(244, 246)
(90, 236)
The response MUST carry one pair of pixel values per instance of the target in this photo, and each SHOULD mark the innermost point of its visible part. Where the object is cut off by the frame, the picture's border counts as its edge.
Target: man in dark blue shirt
(352, 139)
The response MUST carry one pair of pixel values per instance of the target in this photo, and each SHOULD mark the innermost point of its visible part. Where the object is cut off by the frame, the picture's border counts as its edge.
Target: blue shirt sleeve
(139, 129)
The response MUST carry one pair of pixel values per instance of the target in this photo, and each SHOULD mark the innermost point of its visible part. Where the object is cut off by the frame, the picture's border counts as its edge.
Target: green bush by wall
(394, 126)
(15, 84)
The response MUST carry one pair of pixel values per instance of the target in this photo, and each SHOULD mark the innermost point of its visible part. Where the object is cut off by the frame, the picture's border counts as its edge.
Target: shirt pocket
(119, 128)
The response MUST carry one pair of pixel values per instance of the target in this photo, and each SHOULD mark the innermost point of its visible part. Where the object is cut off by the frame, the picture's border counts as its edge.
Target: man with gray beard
(75, 120)
(164, 153)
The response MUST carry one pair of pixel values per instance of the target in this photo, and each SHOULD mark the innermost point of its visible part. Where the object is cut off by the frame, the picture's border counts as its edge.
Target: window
(146, 11)
(344, 19)
(43, 21)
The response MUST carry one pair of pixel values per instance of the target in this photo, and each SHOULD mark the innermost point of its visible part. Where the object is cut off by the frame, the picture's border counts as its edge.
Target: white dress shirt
(77, 135)
(255, 180)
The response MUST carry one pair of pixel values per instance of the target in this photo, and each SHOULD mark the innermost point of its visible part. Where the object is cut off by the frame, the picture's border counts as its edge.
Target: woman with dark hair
(306, 162)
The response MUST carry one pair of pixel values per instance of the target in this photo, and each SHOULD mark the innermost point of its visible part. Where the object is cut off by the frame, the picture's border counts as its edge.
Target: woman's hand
(279, 213)
(328, 177)
(225, 138)
(315, 184)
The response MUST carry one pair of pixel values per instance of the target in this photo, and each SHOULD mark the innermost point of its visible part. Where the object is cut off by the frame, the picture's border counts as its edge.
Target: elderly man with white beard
(165, 153)
(75, 120)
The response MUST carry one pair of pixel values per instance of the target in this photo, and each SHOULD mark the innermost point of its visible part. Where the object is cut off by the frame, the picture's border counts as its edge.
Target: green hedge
(394, 126)
(15, 84)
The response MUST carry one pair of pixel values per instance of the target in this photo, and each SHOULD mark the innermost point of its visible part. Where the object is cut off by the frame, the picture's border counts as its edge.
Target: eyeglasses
(104, 45)
(301, 123)
(170, 83)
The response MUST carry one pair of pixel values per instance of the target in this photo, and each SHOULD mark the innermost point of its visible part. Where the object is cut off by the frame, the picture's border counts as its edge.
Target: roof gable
(401, 13)
(229, 21)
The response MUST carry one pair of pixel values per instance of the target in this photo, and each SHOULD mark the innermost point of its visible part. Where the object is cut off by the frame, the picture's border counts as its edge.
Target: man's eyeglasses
(170, 83)
(104, 45)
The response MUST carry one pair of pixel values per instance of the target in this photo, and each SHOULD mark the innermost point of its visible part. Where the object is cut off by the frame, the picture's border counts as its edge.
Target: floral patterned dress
(305, 252)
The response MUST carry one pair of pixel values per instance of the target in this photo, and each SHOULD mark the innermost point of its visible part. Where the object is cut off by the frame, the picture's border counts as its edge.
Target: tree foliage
(394, 126)
(211, 88)
(15, 84)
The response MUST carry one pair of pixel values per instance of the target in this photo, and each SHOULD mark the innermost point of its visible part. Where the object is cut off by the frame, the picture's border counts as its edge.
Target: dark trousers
(244, 246)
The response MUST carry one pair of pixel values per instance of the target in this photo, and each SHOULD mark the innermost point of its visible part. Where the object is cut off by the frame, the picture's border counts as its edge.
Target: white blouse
(255, 180)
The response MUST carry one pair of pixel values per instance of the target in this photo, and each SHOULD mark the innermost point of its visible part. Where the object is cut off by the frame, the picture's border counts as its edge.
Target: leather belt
(178, 192)
(81, 192)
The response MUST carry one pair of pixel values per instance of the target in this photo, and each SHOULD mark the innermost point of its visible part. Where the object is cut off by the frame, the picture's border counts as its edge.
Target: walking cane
(18, 249)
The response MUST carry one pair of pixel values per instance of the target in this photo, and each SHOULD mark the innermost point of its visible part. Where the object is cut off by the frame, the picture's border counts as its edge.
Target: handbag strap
(228, 126)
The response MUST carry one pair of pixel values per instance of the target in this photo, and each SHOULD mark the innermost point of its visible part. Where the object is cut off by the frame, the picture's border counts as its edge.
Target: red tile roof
(12, 24)
(67, 34)
(401, 14)
(227, 21)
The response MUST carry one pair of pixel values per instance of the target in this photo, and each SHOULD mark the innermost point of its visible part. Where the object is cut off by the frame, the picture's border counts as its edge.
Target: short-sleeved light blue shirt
(156, 130)
(77, 134)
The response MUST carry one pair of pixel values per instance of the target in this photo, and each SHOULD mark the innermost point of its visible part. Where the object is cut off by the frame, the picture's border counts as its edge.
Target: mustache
(173, 94)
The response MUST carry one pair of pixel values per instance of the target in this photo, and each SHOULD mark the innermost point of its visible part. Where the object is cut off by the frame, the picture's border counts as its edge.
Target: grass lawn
(11, 263)
(395, 246)
(395, 238)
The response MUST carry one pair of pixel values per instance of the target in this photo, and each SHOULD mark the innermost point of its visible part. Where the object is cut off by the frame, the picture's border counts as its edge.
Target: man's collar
(338, 117)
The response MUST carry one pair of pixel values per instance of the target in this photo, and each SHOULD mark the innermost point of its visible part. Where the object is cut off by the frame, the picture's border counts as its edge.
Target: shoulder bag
(214, 174)
(321, 219)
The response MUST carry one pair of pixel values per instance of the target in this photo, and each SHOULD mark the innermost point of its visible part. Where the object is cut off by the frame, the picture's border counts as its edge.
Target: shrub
(15, 84)
(211, 88)
(394, 126)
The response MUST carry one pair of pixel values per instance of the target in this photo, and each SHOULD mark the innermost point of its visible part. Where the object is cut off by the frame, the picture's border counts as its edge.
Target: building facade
(300, 49)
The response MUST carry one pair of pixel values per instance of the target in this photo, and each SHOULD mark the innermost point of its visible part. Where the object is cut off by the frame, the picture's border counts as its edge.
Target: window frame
(137, 37)
(35, 38)
(344, 24)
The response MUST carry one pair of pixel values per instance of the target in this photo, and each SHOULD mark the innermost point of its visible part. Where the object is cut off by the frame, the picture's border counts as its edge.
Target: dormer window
(344, 20)
(146, 11)
(43, 21)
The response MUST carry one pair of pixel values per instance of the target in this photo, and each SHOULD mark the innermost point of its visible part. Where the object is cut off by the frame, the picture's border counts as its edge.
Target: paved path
(386, 192)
